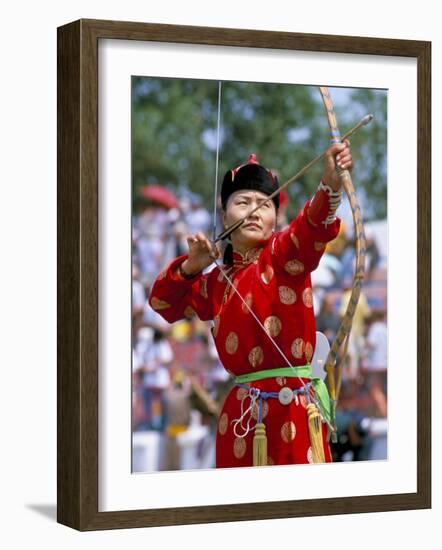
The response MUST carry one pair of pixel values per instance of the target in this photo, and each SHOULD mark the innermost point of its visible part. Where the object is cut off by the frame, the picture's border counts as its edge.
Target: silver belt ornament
(285, 395)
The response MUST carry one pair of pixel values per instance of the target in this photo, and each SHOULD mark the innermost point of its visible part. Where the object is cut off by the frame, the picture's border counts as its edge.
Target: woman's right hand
(202, 253)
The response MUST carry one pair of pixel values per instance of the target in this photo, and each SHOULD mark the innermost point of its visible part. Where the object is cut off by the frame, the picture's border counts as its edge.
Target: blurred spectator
(348, 258)
(328, 320)
(177, 413)
(137, 396)
(375, 362)
(328, 272)
(153, 219)
(138, 300)
(324, 276)
(197, 218)
(153, 319)
(153, 363)
(353, 441)
(179, 232)
(154, 240)
(337, 246)
(356, 341)
(150, 252)
(373, 254)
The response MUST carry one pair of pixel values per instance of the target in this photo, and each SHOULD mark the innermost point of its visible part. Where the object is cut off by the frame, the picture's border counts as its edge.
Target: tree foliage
(174, 126)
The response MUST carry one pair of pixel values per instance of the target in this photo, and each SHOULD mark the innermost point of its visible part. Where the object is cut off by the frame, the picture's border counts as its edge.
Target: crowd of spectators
(177, 376)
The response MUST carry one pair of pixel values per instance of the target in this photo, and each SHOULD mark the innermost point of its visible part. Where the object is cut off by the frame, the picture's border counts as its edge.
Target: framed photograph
(152, 119)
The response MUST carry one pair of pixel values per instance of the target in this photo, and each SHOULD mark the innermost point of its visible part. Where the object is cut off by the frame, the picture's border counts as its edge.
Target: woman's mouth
(252, 225)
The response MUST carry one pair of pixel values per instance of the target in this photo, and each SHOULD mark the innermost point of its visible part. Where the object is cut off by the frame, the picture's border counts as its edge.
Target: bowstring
(217, 161)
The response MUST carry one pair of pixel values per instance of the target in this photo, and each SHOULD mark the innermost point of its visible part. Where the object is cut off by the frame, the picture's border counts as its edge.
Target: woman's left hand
(337, 156)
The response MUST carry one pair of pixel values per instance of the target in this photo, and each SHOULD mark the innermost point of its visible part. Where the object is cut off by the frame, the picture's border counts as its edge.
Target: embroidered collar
(250, 256)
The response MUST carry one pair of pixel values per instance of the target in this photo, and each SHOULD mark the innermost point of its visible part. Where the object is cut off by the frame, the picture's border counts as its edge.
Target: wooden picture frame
(77, 224)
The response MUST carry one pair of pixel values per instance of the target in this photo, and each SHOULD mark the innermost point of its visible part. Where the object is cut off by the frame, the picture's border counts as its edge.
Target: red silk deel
(274, 281)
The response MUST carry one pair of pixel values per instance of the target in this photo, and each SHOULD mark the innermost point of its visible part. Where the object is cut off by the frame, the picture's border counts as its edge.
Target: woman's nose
(254, 217)
(252, 213)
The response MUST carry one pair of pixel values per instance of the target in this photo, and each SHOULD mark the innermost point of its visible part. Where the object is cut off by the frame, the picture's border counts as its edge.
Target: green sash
(305, 371)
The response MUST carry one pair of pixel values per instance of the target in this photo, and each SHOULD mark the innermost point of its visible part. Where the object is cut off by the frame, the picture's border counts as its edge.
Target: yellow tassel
(315, 431)
(260, 446)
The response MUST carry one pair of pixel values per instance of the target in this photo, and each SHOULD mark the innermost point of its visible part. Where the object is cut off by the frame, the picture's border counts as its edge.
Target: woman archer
(261, 304)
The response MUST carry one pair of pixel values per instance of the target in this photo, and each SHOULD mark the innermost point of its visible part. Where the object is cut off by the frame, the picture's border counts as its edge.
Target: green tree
(174, 135)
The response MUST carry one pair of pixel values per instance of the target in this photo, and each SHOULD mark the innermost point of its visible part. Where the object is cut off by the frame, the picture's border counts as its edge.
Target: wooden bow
(333, 369)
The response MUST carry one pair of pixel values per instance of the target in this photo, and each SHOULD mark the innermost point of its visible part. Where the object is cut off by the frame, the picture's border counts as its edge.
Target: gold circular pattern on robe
(232, 343)
(248, 299)
(189, 311)
(294, 267)
(256, 356)
(318, 246)
(223, 423)
(203, 288)
(221, 277)
(267, 274)
(307, 297)
(294, 239)
(280, 380)
(273, 325)
(239, 447)
(162, 275)
(310, 455)
(273, 245)
(288, 431)
(308, 352)
(303, 401)
(158, 304)
(241, 393)
(287, 295)
(216, 321)
(265, 409)
(297, 348)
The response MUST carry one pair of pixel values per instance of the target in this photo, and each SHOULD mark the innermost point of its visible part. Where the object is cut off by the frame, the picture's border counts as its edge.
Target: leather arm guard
(323, 205)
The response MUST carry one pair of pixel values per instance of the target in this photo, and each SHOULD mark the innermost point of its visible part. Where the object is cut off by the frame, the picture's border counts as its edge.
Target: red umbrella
(160, 195)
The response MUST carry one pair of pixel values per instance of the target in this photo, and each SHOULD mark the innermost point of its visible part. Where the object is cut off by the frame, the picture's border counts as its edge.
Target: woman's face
(258, 227)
